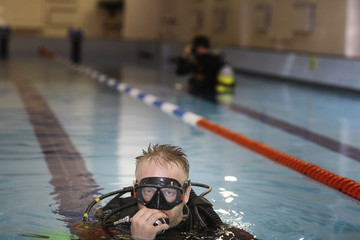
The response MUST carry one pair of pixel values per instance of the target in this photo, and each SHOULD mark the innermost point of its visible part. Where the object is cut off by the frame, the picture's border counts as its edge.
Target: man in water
(161, 164)
(163, 204)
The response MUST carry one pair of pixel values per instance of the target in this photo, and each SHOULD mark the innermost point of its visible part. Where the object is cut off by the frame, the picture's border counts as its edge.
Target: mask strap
(186, 185)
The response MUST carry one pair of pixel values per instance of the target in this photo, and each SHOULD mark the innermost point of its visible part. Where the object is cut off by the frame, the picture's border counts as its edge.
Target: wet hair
(162, 154)
(201, 41)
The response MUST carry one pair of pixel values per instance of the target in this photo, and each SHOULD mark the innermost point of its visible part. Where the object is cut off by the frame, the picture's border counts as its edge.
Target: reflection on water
(228, 195)
(234, 218)
(230, 178)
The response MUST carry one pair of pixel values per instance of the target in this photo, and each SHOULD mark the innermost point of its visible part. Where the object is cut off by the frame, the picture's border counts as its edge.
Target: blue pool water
(103, 130)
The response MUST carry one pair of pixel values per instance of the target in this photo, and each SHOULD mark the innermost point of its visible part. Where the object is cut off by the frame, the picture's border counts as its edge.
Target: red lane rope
(342, 184)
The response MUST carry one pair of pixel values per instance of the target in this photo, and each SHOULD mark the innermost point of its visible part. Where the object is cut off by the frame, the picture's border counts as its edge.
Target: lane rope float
(342, 184)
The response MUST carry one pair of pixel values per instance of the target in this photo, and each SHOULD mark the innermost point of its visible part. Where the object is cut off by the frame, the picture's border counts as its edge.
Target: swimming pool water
(105, 130)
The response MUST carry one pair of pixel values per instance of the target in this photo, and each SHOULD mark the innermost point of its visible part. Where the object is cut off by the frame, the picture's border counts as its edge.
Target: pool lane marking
(74, 186)
(342, 184)
(326, 142)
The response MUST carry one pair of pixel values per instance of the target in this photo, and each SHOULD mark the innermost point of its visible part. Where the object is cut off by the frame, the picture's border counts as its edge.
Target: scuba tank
(226, 75)
(225, 79)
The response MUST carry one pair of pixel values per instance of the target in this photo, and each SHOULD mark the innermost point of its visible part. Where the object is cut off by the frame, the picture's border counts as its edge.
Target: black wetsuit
(200, 220)
(205, 69)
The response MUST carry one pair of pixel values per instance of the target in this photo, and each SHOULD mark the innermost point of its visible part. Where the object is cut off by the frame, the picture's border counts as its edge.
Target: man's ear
(187, 194)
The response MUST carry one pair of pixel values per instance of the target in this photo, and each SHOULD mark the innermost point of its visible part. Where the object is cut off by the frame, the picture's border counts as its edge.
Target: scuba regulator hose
(203, 206)
(98, 199)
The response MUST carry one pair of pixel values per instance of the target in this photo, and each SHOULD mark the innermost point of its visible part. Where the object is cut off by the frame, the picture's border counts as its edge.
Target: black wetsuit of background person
(205, 70)
(200, 220)
(204, 66)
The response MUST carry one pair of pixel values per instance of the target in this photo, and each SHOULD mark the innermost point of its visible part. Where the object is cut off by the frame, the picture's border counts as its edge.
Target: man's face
(152, 169)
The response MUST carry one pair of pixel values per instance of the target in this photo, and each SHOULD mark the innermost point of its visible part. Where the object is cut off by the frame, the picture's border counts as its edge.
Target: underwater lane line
(324, 141)
(321, 140)
(342, 184)
(73, 184)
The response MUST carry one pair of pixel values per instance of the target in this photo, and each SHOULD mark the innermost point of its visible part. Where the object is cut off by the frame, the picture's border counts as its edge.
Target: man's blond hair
(162, 154)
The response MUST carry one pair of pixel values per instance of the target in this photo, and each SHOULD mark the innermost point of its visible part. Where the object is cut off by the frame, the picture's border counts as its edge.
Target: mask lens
(171, 194)
(148, 193)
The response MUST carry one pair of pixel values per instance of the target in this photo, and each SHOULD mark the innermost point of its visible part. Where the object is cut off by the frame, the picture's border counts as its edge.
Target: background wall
(314, 41)
(53, 18)
(142, 19)
(313, 26)
(317, 26)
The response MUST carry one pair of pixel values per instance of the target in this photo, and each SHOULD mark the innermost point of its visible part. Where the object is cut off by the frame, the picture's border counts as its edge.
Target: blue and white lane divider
(167, 107)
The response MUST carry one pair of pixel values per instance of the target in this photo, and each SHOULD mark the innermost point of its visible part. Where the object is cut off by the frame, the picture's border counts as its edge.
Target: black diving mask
(160, 193)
